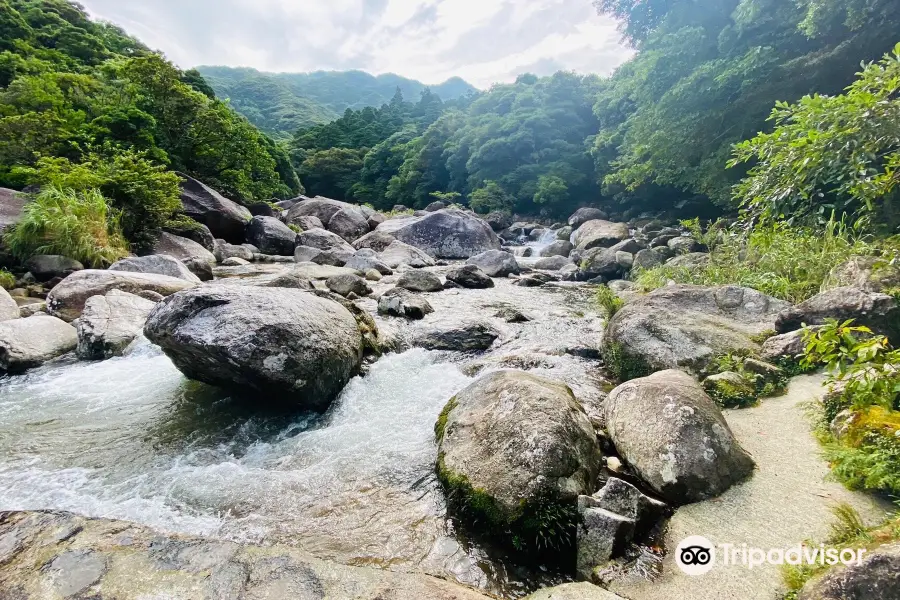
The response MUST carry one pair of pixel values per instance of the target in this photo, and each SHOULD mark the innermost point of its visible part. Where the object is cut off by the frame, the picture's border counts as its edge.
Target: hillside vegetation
(281, 103)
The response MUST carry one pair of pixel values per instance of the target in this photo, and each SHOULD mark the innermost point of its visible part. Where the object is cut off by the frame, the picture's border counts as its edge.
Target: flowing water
(130, 438)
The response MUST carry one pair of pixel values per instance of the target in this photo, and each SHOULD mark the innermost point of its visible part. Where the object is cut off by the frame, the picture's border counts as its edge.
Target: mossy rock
(731, 389)
(623, 365)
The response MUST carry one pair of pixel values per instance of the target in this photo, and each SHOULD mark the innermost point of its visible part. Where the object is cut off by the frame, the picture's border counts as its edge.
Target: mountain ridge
(282, 103)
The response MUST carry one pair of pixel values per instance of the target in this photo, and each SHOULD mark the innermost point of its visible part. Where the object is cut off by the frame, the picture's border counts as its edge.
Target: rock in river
(288, 344)
(447, 233)
(470, 276)
(27, 343)
(675, 437)
(496, 263)
(418, 280)
(226, 219)
(684, 326)
(399, 302)
(271, 236)
(67, 299)
(160, 264)
(110, 323)
(511, 441)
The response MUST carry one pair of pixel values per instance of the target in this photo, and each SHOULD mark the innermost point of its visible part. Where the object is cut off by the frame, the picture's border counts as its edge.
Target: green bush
(790, 263)
(608, 301)
(7, 279)
(79, 225)
(145, 194)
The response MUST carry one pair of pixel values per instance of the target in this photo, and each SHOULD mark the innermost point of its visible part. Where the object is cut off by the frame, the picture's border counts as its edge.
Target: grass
(77, 225)
(608, 302)
(7, 280)
(785, 262)
(847, 531)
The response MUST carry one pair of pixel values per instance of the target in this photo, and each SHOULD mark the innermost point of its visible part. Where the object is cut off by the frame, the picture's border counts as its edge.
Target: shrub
(786, 262)
(79, 225)
(608, 301)
(7, 279)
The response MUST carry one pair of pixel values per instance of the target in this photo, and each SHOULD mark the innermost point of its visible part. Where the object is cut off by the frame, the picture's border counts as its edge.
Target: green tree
(489, 198)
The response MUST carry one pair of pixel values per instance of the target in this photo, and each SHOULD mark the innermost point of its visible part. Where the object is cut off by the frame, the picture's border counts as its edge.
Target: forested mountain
(281, 103)
(87, 107)
(656, 135)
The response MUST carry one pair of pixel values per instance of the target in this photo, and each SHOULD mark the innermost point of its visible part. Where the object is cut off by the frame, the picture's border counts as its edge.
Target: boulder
(308, 222)
(188, 251)
(877, 577)
(681, 326)
(785, 346)
(878, 312)
(45, 267)
(868, 273)
(349, 223)
(159, 264)
(557, 248)
(192, 230)
(458, 336)
(399, 302)
(622, 498)
(30, 342)
(583, 215)
(553, 263)
(67, 299)
(399, 253)
(602, 534)
(263, 209)
(347, 284)
(271, 236)
(367, 259)
(234, 261)
(647, 259)
(375, 240)
(375, 220)
(610, 262)
(435, 206)
(327, 242)
(498, 220)
(110, 323)
(470, 276)
(224, 218)
(11, 205)
(224, 250)
(417, 280)
(320, 208)
(730, 389)
(448, 233)
(675, 437)
(512, 441)
(496, 263)
(309, 254)
(691, 260)
(565, 234)
(288, 345)
(684, 244)
(600, 234)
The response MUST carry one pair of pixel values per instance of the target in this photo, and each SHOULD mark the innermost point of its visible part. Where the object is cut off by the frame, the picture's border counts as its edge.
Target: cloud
(482, 41)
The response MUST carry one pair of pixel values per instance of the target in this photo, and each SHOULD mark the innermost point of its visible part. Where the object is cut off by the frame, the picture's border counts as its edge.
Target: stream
(131, 438)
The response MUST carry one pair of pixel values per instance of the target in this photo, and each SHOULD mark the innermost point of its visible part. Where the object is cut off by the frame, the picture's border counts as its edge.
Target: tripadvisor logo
(696, 555)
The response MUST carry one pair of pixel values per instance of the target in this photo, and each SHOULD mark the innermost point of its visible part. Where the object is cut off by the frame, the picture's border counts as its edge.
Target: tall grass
(77, 225)
(787, 262)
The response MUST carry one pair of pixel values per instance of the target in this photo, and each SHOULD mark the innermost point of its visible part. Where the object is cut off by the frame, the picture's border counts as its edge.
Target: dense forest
(281, 103)
(85, 106)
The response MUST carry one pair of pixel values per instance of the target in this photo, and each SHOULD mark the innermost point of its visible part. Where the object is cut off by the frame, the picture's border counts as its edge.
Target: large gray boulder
(160, 264)
(557, 248)
(194, 255)
(647, 259)
(271, 236)
(223, 251)
(448, 233)
(417, 280)
(9, 308)
(27, 343)
(877, 577)
(110, 323)
(224, 218)
(11, 205)
(287, 345)
(468, 335)
(520, 441)
(682, 326)
(347, 284)
(553, 263)
(349, 223)
(327, 242)
(375, 240)
(400, 302)
(878, 312)
(397, 253)
(496, 263)
(366, 259)
(194, 231)
(583, 215)
(691, 260)
(498, 220)
(600, 234)
(868, 273)
(67, 299)
(45, 267)
(675, 437)
(318, 207)
(470, 276)
(307, 222)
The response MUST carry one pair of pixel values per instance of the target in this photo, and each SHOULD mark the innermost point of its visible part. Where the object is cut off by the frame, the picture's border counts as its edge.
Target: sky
(482, 41)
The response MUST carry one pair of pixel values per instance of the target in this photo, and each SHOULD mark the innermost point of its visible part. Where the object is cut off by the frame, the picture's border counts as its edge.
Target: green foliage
(7, 280)
(829, 154)
(622, 365)
(706, 76)
(441, 423)
(91, 98)
(787, 262)
(79, 225)
(608, 302)
(448, 198)
(489, 198)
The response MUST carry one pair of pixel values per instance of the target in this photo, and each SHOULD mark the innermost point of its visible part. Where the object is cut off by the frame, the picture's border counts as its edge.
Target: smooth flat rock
(27, 343)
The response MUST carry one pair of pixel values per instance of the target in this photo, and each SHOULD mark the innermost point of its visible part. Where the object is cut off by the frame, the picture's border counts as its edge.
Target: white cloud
(482, 41)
